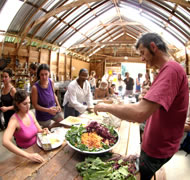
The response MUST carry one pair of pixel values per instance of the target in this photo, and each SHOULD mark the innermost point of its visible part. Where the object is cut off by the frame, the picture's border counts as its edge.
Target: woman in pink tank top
(24, 127)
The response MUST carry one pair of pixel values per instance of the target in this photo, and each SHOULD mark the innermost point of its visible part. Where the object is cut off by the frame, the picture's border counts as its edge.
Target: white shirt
(76, 96)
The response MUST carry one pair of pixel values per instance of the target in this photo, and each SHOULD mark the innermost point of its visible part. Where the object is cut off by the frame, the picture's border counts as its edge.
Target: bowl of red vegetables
(94, 138)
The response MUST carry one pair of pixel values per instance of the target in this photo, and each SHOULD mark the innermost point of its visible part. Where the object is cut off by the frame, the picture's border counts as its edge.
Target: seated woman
(45, 100)
(24, 127)
(112, 90)
(102, 91)
(78, 97)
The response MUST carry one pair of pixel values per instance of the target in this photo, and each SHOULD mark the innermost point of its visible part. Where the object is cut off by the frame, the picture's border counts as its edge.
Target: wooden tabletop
(60, 163)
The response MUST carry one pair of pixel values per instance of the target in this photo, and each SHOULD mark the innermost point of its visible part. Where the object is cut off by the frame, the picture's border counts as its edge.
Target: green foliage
(93, 168)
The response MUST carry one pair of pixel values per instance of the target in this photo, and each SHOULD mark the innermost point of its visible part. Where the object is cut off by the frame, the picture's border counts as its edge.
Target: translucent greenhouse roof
(86, 26)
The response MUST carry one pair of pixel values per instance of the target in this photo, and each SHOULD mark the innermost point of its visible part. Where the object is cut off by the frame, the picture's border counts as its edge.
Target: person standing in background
(92, 81)
(120, 85)
(7, 95)
(78, 97)
(138, 83)
(45, 100)
(129, 84)
(33, 73)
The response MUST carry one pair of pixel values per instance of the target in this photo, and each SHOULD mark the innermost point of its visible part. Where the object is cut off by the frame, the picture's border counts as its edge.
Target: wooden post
(49, 61)
(104, 65)
(65, 75)
(70, 74)
(187, 61)
(58, 59)
(40, 54)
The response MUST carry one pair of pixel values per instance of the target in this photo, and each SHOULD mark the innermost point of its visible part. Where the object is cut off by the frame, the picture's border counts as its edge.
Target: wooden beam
(65, 67)
(187, 61)
(180, 2)
(70, 73)
(113, 43)
(122, 59)
(58, 61)
(52, 13)
(63, 8)
(123, 23)
(37, 9)
(70, 25)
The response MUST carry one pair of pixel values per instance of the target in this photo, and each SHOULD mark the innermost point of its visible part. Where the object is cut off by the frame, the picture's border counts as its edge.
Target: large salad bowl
(94, 138)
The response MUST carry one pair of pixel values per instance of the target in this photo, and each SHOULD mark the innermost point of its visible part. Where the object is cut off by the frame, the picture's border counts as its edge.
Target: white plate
(68, 121)
(97, 152)
(60, 131)
(55, 145)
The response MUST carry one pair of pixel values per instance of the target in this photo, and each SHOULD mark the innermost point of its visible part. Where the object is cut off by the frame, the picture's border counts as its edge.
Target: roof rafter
(77, 29)
(180, 2)
(50, 14)
(62, 8)
(114, 43)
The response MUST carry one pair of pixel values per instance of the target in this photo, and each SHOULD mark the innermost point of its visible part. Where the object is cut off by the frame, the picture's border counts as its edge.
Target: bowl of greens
(95, 138)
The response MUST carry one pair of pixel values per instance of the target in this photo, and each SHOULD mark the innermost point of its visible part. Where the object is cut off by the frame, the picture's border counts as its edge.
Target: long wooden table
(60, 163)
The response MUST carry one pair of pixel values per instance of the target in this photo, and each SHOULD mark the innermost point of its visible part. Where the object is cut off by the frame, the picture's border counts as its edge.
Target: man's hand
(101, 107)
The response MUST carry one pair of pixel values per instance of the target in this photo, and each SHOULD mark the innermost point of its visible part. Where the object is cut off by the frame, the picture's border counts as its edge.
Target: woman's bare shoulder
(14, 121)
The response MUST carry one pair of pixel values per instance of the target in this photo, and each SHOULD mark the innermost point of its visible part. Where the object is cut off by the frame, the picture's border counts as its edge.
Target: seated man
(112, 90)
(102, 91)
